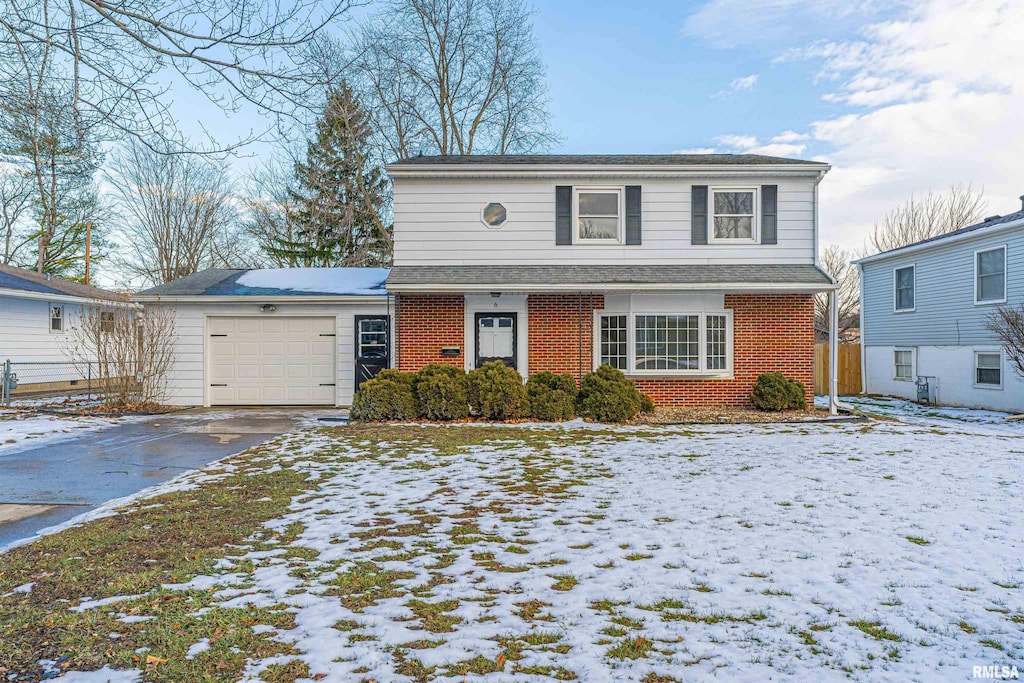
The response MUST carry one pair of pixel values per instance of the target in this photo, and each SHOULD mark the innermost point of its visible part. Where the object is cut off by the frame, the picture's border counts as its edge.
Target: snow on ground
(352, 281)
(884, 550)
(20, 430)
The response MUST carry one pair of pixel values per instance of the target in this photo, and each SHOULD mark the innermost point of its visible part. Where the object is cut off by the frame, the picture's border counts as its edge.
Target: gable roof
(601, 160)
(1008, 221)
(266, 282)
(22, 280)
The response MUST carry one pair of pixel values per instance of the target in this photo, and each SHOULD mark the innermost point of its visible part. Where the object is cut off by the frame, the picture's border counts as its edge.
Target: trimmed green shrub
(381, 399)
(442, 396)
(405, 378)
(552, 397)
(773, 392)
(426, 373)
(496, 392)
(646, 404)
(607, 396)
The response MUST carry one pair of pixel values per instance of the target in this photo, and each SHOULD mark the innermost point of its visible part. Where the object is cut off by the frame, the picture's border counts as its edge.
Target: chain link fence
(28, 383)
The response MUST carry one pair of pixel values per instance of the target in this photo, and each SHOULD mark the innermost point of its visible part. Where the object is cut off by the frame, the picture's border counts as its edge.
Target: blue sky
(902, 97)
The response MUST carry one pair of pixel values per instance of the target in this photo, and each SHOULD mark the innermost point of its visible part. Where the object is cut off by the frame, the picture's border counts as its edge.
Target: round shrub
(773, 392)
(607, 396)
(381, 399)
(428, 372)
(405, 378)
(552, 397)
(442, 396)
(496, 392)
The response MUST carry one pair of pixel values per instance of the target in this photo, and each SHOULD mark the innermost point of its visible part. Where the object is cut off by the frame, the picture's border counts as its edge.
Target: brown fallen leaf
(155, 661)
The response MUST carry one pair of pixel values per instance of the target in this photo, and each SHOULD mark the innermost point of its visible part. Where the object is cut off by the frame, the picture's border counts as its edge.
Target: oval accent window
(494, 215)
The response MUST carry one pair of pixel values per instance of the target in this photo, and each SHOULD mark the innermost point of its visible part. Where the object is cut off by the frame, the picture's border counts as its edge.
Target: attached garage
(275, 337)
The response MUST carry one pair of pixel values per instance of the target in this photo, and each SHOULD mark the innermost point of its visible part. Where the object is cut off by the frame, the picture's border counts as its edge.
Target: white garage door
(271, 361)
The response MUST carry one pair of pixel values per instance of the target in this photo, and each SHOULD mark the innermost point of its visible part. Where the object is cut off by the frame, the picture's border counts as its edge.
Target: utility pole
(88, 243)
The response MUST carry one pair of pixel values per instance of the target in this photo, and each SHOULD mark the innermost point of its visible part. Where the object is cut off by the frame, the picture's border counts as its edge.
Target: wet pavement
(73, 476)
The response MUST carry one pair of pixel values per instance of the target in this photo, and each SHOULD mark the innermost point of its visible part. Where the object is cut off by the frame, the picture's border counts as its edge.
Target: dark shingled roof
(603, 159)
(224, 282)
(996, 220)
(31, 281)
(583, 275)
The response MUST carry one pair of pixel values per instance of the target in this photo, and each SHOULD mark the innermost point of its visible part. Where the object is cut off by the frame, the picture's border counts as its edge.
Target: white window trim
(701, 371)
(620, 230)
(895, 284)
(974, 368)
(49, 318)
(990, 302)
(755, 228)
(895, 376)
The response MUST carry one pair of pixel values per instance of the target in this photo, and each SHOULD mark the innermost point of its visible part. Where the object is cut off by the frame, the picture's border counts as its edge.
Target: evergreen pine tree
(339, 195)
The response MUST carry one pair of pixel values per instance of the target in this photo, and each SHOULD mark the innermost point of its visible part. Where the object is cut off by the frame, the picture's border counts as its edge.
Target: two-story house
(925, 311)
(692, 274)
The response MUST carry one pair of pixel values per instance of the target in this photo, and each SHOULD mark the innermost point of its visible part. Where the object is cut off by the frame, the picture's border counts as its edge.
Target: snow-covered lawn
(21, 429)
(883, 550)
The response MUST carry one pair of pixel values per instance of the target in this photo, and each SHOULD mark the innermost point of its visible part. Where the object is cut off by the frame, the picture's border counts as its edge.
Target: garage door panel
(273, 360)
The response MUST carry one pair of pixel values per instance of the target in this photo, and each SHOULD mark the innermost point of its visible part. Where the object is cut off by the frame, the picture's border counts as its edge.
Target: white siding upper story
(25, 333)
(438, 221)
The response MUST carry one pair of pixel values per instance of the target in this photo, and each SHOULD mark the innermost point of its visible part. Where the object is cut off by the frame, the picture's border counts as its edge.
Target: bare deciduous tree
(16, 197)
(178, 216)
(921, 218)
(269, 216)
(835, 261)
(454, 77)
(130, 350)
(121, 59)
(1007, 322)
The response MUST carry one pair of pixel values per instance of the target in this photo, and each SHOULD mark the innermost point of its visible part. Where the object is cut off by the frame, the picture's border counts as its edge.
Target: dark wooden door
(373, 346)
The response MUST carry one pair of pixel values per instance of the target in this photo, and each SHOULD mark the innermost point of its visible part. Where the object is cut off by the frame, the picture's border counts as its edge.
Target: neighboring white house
(924, 310)
(295, 336)
(36, 313)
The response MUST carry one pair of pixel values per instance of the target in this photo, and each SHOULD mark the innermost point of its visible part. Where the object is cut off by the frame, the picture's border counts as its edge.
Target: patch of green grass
(967, 628)
(532, 610)
(365, 583)
(875, 630)
(633, 557)
(994, 644)
(564, 582)
(917, 540)
(433, 615)
(631, 648)
(285, 673)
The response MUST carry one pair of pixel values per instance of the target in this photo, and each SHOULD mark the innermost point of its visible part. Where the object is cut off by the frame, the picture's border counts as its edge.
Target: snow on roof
(344, 281)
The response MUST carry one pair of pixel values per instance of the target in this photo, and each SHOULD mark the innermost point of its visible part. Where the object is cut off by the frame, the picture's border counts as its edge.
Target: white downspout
(863, 337)
(833, 352)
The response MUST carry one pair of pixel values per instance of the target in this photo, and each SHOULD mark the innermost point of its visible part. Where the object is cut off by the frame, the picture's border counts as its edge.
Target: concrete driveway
(51, 484)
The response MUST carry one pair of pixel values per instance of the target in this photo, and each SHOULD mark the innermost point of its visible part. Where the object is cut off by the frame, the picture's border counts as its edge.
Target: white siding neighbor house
(293, 336)
(36, 314)
(924, 310)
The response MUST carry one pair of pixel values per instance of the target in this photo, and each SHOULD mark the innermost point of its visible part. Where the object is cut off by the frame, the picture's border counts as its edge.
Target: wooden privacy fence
(849, 369)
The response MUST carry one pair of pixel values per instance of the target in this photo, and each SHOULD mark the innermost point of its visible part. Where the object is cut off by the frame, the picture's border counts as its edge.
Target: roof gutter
(62, 298)
(601, 170)
(619, 287)
(953, 239)
(257, 299)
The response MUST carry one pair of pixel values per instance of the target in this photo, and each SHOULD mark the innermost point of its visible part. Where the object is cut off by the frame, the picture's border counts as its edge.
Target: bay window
(694, 343)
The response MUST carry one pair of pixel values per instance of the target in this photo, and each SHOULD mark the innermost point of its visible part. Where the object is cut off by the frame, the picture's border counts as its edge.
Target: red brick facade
(770, 332)
(426, 322)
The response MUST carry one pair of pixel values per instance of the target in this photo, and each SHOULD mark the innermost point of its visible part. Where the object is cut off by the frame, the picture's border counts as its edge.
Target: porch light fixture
(268, 308)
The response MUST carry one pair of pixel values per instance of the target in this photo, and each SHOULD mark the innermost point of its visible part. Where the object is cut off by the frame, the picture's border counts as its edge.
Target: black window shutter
(699, 214)
(634, 227)
(563, 214)
(769, 214)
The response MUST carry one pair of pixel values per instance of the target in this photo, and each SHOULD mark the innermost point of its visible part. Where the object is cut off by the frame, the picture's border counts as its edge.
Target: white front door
(496, 338)
(271, 360)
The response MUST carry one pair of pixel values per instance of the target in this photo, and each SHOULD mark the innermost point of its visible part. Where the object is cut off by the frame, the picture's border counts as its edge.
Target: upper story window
(598, 214)
(904, 285)
(734, 214)
(990, 276)
(494, 215)
(56, 318)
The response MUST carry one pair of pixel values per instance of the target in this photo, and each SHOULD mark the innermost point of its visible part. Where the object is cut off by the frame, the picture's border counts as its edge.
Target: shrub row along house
(692, 274)
(925, 314)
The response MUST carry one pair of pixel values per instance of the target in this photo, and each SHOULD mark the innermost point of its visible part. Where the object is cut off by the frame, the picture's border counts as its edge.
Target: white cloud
(738, 85)
(695, 150)
(737, 141)
(790, 136)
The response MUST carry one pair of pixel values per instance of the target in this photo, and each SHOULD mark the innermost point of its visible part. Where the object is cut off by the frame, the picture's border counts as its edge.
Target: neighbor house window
(903, 364)
(988, 369)
(614, 341)
(990, 276)
(903, 279)
(656, 343)
(56, 318)
(598, 214)
(733, 214)
(106, 321)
